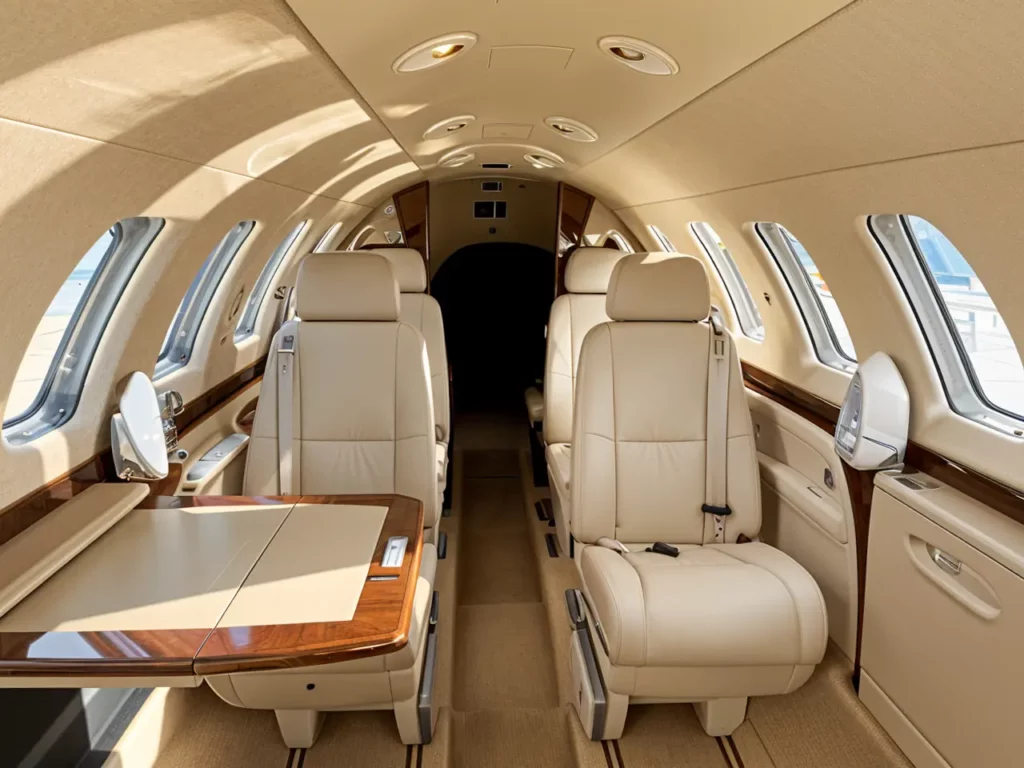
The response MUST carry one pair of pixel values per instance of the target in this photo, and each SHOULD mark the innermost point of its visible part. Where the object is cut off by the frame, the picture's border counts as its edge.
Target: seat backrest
(364, 420)
(572, 316)
(423, 312)
(639, 454)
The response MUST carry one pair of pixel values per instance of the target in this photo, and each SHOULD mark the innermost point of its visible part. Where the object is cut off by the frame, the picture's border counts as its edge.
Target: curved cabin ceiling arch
(521, 71)
(237, 86)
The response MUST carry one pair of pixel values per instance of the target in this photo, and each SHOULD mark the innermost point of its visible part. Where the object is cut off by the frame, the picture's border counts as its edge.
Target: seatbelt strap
(285, 300)
(287, 359)
(716, 440)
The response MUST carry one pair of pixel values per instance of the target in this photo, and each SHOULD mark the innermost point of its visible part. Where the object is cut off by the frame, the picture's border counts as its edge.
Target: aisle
(505, 707)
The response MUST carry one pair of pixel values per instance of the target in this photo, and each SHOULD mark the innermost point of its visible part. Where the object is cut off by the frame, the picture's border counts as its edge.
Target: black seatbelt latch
(661, 548)
(707, 509)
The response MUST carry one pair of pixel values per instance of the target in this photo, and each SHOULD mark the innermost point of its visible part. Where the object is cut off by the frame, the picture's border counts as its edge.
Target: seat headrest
(410, 271)
(339, 285)
(590, 269)
(659, 287)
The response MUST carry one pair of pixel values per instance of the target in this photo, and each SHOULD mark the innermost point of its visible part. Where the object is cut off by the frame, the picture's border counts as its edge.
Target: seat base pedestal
(299, 727)
(720, 717)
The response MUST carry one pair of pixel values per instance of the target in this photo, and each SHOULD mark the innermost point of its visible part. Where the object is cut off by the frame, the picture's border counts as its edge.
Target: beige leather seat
(573, 314)
(362, 422)
(423, 312)
(724, 620)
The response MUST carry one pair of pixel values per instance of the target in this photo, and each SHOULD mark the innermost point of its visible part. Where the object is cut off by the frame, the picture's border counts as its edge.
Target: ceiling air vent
(490, 186)
(496, 166)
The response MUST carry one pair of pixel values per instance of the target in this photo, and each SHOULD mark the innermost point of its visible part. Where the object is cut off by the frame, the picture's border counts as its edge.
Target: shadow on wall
(495, 298)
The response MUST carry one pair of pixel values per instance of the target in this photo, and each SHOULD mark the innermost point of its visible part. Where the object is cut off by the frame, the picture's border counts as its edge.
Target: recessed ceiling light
(445, 50)
(629, 54)
(639, 55)
(455, 159)
(543, 161)
(447, 127)
(570, 129)
(433, 52)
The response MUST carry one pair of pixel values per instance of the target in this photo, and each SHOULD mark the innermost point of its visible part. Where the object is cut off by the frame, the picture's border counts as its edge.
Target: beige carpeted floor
(216, 734)
(505, 703)
(502, 684)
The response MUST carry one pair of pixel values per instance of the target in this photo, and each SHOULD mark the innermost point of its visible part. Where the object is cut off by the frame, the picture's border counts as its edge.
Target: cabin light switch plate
(394, 552)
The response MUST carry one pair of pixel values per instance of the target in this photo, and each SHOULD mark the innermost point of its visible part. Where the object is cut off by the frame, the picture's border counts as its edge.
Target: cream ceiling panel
(528, 59)
(238, 85)
(882, 79)
(507, 131)
(711, 41)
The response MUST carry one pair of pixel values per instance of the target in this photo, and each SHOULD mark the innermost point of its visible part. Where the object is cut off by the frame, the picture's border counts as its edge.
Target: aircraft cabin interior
(511, 383)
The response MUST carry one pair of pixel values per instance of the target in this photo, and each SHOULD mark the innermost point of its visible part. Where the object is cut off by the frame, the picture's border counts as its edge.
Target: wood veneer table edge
(380, 625)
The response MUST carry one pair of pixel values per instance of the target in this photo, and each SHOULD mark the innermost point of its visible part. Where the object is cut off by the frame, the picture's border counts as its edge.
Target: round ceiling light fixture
(456, 158)
(543, 161)
(447, 127)
(434, 52)
(638, 55)
(570, 129)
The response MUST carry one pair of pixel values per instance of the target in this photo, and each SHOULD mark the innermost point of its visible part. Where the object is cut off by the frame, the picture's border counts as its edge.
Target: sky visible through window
(985, 337)
(828, 303)
(41, 349)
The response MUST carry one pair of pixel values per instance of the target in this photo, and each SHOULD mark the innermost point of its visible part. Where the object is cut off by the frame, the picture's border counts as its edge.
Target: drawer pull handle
(948, 563)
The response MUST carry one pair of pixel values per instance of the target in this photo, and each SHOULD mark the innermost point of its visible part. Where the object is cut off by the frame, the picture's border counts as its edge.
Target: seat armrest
(559, 457)
(535, 405)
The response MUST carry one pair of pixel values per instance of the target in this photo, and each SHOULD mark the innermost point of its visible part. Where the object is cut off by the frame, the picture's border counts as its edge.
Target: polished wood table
(188, 586)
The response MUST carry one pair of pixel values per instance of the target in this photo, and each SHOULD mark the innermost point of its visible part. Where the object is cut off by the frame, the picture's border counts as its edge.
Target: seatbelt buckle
(718, 337)
(613, 544)
(661, 548)
(709, 509)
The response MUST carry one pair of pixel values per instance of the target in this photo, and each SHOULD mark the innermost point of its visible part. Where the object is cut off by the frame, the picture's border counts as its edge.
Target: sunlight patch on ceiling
(287, 139)
(375, 182)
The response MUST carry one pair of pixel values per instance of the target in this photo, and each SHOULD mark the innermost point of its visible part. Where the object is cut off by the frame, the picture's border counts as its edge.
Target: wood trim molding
(380, 625)
(1002, 498)
(574, 207)
(32, 508)
(199, 408)
(29, 509)
(412, 205)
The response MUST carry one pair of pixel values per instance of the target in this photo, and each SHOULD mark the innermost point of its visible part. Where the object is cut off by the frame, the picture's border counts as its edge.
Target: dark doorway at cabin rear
(495, 298)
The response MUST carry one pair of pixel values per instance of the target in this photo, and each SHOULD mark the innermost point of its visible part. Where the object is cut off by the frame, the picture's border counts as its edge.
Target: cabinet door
(941, 663)
(806, 508)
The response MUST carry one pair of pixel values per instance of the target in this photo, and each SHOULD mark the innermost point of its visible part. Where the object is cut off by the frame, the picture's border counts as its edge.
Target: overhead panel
(529, 59)
(507, 131)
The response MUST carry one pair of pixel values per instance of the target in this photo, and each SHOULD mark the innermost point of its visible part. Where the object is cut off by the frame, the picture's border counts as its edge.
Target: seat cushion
(714, 605)
(535, 405)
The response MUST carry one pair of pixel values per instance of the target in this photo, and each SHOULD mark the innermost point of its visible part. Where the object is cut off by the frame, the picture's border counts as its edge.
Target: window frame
(620, 240)
(661, 238)
(965, 395)
(747, 314)
(61, 390)
(179, 345)
(251, 312)
(355, 243)
(327, 237)
(823, 336)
